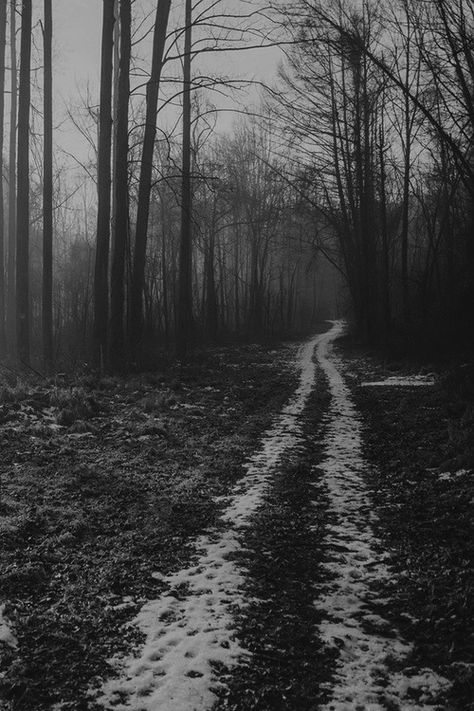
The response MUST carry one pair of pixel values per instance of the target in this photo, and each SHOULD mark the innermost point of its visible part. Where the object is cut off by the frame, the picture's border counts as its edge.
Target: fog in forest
(236, 355)
(187, 194)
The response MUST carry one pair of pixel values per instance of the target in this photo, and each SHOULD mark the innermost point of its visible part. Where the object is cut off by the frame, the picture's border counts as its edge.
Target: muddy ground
(106, 481)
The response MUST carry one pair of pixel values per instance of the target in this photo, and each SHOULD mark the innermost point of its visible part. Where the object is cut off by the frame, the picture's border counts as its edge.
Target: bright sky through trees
(77, 59)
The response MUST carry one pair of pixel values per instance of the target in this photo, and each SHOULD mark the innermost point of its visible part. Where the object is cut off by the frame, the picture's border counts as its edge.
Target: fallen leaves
(422, 485)
(102, 482)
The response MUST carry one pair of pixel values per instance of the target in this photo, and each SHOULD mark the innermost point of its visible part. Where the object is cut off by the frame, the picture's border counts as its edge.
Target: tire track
(189, 631)
(373, 671)
(283, 607)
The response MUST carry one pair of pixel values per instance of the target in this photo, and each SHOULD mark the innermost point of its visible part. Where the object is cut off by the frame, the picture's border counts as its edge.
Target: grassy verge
(104, 482)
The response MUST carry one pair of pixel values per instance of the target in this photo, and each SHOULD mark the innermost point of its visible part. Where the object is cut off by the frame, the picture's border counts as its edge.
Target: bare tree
(334, 110)
(144, 190)
(3, 29)
(48, 188)
(185, 305)
(121, 211)
(11, 267)
(101, 277)
(23, 201)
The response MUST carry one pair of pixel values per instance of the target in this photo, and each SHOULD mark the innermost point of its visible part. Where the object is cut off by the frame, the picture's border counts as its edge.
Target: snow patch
(6, 633)
(364, 639)
(450, 476)
(402, 381)
(189, 630)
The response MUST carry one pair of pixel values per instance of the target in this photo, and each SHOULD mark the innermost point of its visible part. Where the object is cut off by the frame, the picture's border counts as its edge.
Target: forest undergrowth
(419, 442)
(104, 481)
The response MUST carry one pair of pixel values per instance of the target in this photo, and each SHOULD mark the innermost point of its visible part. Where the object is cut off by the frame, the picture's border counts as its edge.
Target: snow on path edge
(365, 640)
(191, 627)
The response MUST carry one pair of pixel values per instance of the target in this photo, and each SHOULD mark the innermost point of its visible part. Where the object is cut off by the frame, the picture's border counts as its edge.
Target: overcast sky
(77, 32)
(77, 28)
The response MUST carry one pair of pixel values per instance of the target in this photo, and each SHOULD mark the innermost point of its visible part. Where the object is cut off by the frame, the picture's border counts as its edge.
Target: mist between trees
(349, 188)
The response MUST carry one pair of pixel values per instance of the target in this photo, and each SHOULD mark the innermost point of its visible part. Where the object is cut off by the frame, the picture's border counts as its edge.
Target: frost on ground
(367, 643)
(189, 630)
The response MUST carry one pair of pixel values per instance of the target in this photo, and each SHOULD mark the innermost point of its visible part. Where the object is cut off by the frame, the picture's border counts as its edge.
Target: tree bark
(22, 203)
(121, 212)
(11, 294)
(185, 307)
(144, 189)
(3, 30)
(407, 139)
(48, 189)
(101, 277)
(212, 313)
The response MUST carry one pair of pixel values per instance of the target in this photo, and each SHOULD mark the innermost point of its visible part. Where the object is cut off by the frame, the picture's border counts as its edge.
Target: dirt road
(286, 604)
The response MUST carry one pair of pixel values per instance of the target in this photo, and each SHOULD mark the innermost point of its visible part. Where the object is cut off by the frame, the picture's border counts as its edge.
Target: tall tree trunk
(48, 189)
(11, 294)
(237, 274)
(101, 278)
(115, 83)
(210, 293)
(185, 305)
(144, 189)
(384, 234)
(120, 222)
(3, 30)
(406, 178)
(164, 272)
(23, 207)
(115, 92)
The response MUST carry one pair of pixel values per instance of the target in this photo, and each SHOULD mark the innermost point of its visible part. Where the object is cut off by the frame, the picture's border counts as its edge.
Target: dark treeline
(352, 191)
(380, 98)
(193, 236)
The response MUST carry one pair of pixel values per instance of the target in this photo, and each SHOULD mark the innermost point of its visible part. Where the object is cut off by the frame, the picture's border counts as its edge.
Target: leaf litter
(189, 629)
(85, 520)
(88, 512)
(419, 448)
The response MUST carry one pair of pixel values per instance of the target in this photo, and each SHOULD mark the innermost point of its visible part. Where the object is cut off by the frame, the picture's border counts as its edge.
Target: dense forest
(345, 186)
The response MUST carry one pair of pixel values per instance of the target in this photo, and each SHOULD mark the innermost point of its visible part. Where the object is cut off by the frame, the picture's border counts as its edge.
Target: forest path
(283, 605)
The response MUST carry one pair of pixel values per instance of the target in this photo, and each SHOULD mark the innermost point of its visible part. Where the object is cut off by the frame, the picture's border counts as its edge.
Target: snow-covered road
(190, 630)
(365, 640)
